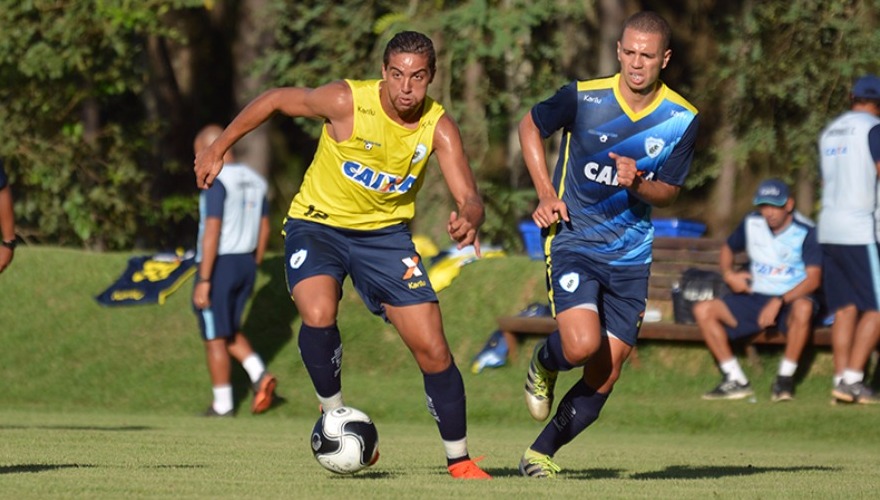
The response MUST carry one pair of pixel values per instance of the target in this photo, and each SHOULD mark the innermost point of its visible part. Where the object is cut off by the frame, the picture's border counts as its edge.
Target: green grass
(100, 403)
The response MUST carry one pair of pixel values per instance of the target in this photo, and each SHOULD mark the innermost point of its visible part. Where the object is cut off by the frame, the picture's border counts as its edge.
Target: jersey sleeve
(812, 251)
(556, 112)
(215, 197)
(737, 239)
(677, 166)
(874, 142)
(264, 212)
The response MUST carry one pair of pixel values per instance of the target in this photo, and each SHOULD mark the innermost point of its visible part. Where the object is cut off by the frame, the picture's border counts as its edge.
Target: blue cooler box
(531, 235)
(678, 228)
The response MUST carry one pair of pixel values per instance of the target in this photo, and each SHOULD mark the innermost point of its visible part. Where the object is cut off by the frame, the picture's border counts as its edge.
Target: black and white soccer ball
(345, 440)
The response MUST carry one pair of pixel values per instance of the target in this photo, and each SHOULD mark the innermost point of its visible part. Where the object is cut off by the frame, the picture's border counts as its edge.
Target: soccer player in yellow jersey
(349, 219)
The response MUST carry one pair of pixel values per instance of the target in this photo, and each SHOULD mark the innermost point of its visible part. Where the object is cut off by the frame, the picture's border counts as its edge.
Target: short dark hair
(649, 22)
(411, 42)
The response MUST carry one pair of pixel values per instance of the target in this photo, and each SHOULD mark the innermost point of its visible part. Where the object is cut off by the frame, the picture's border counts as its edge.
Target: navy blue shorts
(851, 275)
(746, 308)
(617, 293)
(383, 264)
(232, 283)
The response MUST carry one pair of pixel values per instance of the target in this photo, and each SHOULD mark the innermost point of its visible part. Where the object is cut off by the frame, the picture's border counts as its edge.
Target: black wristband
(11, 244)
(200, 279)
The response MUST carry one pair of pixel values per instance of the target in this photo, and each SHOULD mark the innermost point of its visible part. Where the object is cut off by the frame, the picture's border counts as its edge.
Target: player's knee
(703, 311)
(578, 350)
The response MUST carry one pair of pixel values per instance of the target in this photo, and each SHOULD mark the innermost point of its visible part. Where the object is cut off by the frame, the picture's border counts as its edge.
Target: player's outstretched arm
(463, 226)
(331, 102)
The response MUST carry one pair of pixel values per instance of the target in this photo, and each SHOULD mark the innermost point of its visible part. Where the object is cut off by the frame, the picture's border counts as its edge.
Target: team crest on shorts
(298, 258)
(569, 282)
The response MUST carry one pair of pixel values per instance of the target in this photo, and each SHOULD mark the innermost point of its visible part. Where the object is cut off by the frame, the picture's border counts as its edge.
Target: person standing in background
(849, 154)
(233, 233)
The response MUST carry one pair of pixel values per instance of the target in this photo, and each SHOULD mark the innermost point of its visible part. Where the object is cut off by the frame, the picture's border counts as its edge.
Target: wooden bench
(672, 256)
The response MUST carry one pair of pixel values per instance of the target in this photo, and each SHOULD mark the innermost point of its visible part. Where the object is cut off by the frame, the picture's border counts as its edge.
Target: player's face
(641, 56)
(777, 217)
(406, 82)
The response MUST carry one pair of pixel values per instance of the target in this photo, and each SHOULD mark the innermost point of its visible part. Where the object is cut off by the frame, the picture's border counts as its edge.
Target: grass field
(101, 403)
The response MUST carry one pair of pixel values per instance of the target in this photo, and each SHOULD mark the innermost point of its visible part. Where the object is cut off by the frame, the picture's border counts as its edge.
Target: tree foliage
(77, 137)
(99, 153)
(790, 66)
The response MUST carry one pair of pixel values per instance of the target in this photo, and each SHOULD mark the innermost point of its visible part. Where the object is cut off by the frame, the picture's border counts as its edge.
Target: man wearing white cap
(849, 152)
(785, 268)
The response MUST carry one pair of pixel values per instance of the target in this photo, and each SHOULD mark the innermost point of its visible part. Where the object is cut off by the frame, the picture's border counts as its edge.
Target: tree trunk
(253, 35)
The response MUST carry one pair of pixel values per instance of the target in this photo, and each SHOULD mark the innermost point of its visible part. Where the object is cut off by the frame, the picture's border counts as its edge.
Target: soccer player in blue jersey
(785, 268)
(350, 218)
(233, 233)
(627, 144)
(7, 221)
(849, 152)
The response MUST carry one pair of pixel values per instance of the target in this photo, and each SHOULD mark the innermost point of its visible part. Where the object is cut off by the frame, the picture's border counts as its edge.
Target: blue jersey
(608, 223)
(777, 262)
(4, 180)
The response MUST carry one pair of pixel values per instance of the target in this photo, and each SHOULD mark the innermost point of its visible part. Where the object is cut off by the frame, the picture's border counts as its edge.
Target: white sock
(732, 371)
(787, 368)
(837, 379)
(852, 376)
(333, 402)
(223, 398)
(254, 367)
(455, 449)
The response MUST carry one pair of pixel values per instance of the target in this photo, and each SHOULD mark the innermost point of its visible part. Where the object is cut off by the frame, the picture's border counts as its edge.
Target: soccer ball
(345, 440)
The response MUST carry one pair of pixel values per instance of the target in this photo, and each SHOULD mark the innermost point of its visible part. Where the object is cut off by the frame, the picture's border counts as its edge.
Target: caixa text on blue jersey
(606, 174)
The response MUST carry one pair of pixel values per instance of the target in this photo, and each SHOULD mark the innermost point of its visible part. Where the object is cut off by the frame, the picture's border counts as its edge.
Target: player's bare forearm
(655, 193)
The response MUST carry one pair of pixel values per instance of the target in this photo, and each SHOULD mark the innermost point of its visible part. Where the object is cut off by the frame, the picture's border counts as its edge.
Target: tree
(71, 74)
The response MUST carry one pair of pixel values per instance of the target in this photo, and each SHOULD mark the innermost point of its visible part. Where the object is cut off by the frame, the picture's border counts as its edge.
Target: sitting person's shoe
(211, 412)
(539, 388)
(730, 389)
(467, 469)
(264, 393)
(854, 393)
(534, 464)
(782, 389)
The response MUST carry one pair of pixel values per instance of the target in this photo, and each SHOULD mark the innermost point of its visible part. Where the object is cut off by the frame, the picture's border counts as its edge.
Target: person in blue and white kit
(849, 153)
(233, 233)
(627, 145)
(785, 269)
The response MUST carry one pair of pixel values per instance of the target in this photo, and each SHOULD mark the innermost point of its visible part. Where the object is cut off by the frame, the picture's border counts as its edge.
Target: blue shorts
(232, 283)
(851, 275)
(383, 264)
(618, 293)
(746, 308)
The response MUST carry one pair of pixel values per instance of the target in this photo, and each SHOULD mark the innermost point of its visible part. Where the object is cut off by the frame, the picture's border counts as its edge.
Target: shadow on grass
(671, 472)
(717, 471)
(32, 468)
(109, 428)
(268, 324)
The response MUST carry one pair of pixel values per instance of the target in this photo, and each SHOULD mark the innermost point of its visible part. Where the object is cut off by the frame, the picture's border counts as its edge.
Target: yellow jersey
(369, 180)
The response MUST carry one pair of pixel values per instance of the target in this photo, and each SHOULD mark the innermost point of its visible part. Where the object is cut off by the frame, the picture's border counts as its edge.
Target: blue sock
(321, 353)
(551, 354)
(444, 392)
(577, 410)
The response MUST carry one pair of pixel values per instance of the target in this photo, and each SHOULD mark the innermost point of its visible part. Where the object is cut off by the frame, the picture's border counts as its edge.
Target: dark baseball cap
(867, 87)
(771, 192)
